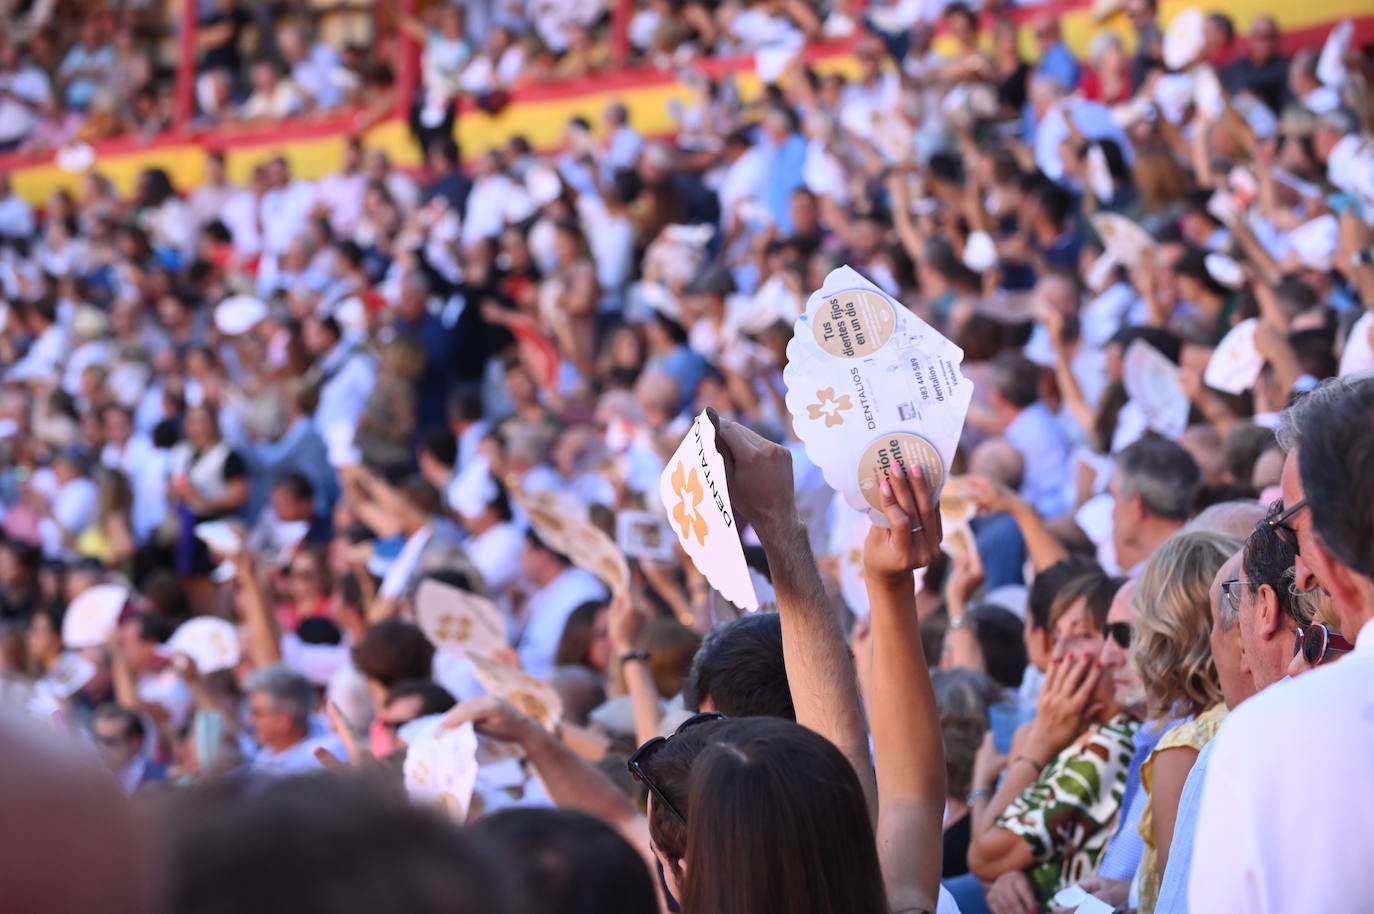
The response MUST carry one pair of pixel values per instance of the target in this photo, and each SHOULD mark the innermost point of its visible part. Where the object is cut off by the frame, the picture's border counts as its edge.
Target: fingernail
(917, 472)
(886, 487)
(898, 471)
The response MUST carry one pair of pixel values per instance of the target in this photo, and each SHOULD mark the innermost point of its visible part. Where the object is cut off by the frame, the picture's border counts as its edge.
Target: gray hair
(1330, 431)
(1162, 473)
(288, 689)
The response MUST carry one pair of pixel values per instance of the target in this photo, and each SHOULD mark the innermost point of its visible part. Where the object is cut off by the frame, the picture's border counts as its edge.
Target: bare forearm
(907, 742)
(820, 670)
(639, 683)
(1041, 545)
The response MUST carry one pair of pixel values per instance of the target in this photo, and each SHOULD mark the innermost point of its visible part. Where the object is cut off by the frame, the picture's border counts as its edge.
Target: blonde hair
(1171, 623)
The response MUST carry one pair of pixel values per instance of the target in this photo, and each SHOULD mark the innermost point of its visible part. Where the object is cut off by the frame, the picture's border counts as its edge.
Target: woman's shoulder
(1195, 733)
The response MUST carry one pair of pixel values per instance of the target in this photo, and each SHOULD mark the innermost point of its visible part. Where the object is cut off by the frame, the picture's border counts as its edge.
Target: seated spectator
(280, 704)
(315, 70)
(1262, 71)
(1170, 650)
(273, 96)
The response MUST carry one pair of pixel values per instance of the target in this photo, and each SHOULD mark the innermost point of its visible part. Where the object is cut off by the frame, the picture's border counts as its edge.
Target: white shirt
(1045, 447)
(208, 201)
(496, 554)
(240, 216)
(297, 759)
(342, 195)
(16, 216)
(281, 102)
(549, 610)
(486, 213)
(743, 180)
(612, 240)
(45, 356)
(285, 212)
(147, 469)
(73, 510)
(18, 120)
(1287, 817)
(351, 378)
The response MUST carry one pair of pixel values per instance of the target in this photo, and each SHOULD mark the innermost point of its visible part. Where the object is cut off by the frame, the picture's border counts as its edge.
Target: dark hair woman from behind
(778, 823)
(567, 862)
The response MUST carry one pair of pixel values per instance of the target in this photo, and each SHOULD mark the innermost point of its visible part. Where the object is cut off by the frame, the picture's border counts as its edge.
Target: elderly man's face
(272, 725)
(1236, 682)
(1308, 568)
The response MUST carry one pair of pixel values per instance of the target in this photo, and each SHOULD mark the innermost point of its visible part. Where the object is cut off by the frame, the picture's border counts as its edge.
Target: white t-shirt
(496, 554)
(549, 609)
(18, 120)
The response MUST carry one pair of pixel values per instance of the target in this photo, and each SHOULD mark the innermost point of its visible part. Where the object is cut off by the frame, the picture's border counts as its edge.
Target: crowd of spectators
(296, 406)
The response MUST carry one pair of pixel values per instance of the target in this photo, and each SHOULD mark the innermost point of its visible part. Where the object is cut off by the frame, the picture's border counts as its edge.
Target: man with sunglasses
(1260, 828)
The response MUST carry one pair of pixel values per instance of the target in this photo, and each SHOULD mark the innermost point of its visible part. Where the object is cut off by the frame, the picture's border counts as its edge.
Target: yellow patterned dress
(1192, 734)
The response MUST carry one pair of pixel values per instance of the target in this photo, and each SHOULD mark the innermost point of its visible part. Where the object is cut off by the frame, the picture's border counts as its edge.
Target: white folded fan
(1126, 240)
(1359, 353)
(93, 615)
(219, 537)
(980, 252)
(238, 314)
(211, 643)
(1224, 270)
(1235, 364)
(1184, 39)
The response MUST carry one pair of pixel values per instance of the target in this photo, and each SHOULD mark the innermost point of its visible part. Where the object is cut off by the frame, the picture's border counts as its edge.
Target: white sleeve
(1228, 869)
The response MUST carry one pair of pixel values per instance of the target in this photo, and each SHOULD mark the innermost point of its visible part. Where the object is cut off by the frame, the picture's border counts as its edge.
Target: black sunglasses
(1278, 522)
(1317, 643)
(1120, 632)
(643, 753)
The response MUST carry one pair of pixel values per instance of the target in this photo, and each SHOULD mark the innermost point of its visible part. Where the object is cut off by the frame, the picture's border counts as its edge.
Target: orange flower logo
(454, 628)
(686, 515)
(828, 407)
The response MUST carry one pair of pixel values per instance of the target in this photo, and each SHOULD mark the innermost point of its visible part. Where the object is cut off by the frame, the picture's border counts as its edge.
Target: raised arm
(1042, 546)
(570, 782)
(820, 670)
(907, 742)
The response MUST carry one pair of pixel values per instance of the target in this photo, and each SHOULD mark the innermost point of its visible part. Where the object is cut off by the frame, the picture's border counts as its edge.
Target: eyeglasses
(1316, 642)
(1279, 524)
(1231, 590)
(1120, 632)
(642, 754)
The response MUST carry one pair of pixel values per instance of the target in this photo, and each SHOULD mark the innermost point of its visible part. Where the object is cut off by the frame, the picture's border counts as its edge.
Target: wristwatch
(641, 656)
(963, 620)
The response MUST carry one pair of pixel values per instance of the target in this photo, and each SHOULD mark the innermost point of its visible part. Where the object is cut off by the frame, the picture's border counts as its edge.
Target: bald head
(998, 460)
(70, 839)
(1233, 518)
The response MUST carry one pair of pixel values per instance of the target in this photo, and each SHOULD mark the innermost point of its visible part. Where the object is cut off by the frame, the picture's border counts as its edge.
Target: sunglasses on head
(644, 752)
(1318, 643)
(1278, 522)
(1120, 632)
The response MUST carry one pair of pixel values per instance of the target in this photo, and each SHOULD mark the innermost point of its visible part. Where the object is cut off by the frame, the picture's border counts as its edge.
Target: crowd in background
(386, 377)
